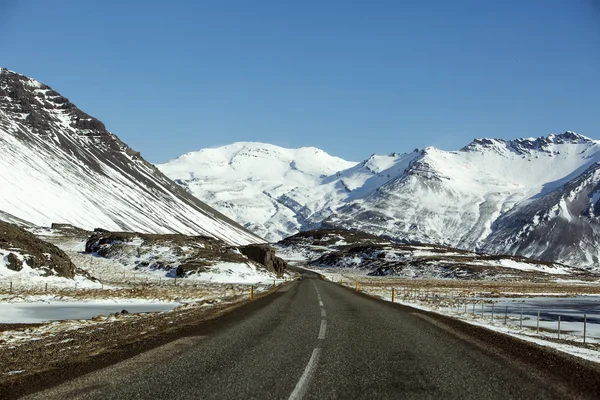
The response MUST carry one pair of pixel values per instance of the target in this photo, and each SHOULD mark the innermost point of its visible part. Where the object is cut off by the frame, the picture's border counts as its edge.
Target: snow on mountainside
(475, 198)
(534, 196)
(59, 164)
(256, 183)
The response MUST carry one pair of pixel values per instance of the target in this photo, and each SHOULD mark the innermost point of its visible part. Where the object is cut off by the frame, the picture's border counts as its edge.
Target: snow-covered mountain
(259, 185)
(528, 197)
(535, 196)
(59, 164)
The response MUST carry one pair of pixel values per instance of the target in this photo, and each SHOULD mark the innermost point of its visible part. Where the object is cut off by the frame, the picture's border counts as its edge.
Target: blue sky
(351, 77)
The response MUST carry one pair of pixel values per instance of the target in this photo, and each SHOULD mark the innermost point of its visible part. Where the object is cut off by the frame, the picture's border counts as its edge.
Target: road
(317, 340)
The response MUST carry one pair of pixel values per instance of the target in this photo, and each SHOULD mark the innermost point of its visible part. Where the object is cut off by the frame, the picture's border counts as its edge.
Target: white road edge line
(320, 303)
(323, 329)
(302, 384)
(323, 312)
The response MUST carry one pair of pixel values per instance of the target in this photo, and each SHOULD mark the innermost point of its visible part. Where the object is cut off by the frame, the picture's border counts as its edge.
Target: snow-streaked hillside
(260, 185)
(456, 198)
(500, 196)
(58, 164)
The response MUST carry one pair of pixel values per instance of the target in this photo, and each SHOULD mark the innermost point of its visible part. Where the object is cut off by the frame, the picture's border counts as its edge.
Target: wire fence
(574, 319)
(126, 281)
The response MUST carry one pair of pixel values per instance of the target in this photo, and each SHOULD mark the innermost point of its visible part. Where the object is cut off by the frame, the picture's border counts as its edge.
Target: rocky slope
(535, 197)
(59, 164)
(23, 254)
(179, 256)
(343, 250)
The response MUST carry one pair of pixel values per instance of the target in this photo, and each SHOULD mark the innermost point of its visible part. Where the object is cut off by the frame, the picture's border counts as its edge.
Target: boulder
(13, 262)
(265, 255)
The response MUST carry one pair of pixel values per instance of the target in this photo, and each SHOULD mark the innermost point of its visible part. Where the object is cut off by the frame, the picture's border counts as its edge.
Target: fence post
(175, 282)
(521, 321)
(584, 326)
(46, 287)
(10, 286)
(393, 294)
(559, 327)
(538, 322)
(465, 307)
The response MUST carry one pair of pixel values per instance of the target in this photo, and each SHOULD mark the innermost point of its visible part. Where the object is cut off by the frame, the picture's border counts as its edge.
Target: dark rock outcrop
(188, 254)
(37, 253)
(13, 262)
(265, 255)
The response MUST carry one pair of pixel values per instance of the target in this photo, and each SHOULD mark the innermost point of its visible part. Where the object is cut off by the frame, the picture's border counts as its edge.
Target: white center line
(302, 384)
(323, 329)
(321, 303)
(323, 312)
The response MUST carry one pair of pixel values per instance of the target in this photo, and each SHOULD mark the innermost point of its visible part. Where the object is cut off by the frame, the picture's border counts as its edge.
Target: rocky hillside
(534, 197)
(346, 250)
(60, 164)
(181, 256)
(21, 253)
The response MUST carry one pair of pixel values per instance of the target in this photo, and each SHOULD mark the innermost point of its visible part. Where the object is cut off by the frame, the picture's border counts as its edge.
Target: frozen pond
(22, 313)
(571, 311)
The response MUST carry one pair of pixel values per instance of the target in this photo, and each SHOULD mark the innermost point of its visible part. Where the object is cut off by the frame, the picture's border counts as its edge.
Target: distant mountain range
(60, 165)
(535, 197)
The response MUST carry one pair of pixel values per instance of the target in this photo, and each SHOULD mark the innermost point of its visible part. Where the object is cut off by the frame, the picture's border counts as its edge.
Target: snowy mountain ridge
(256, 183)
(481, 197)
(59, 164)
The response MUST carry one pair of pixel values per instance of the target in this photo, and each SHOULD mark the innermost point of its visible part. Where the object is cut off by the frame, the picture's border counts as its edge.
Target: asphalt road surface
(317, 340)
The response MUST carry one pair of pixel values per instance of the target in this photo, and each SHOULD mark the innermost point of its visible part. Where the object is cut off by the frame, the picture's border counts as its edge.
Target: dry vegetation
(465, 288)
(168, 291)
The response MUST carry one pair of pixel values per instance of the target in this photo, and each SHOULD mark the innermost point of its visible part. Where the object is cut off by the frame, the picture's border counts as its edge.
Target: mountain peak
(570, 136)
(61, 165)
(527, 145)
(246, 160)
(41, 108)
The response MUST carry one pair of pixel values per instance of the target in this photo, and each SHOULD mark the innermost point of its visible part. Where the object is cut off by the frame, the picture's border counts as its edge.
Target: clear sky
(351, 77)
